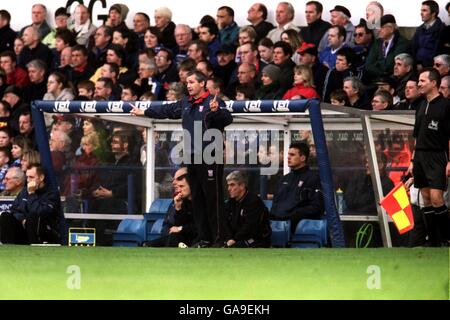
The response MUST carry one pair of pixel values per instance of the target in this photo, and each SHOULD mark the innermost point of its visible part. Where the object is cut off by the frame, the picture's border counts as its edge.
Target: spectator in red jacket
(303, 84)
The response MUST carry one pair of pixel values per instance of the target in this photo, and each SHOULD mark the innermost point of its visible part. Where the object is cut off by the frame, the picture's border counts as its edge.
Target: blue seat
(130, 233)
(281, 233)
(159, 209)
(310, 234)
(268, 204)
(155, 230)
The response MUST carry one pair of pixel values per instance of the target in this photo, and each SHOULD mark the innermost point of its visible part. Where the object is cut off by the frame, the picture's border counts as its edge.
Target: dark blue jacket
(44, 203)
(425, 43)
(298, 196)
(193, 111)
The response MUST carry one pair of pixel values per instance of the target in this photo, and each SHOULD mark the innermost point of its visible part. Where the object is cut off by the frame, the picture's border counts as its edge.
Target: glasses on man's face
(358, 35)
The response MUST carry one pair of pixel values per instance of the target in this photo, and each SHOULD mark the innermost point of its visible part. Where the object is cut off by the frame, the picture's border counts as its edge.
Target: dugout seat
(310, 234)
(132, 233)
(281, 233)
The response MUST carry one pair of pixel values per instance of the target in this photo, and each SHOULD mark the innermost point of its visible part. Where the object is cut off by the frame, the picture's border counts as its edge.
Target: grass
(224, 274)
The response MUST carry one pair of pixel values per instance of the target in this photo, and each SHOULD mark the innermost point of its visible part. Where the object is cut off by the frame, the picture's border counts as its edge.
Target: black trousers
(12, 230)
(205, 182)
(35, 230)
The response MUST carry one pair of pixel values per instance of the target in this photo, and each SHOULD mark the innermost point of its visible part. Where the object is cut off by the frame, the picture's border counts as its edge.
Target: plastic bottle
(340, 201)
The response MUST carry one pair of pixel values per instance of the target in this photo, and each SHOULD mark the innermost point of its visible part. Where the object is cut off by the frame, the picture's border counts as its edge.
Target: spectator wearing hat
(270, 89)
(282, 53)
(61, 23)
(340, 16)
(284, 15)
(116, 17)
(336, 41)
(33, 48)
(316, 26)
(163, 21)
(14, 74)
(380, 61)
(308, 57)
(7, 35)
(426, 38)
(388, 84)
(38, 18)
(225, 63)
(13, 95)
(303, 85)
(82, 25)
(257, 16)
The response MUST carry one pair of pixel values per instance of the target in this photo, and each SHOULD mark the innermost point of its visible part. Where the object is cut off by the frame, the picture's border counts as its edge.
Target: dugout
(262, 130)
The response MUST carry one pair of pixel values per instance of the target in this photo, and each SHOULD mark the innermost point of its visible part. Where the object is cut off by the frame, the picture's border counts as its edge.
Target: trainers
(183, 245)
(201, 244)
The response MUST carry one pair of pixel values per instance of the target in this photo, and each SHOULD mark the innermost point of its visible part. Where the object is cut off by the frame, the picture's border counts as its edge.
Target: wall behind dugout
(407, 12)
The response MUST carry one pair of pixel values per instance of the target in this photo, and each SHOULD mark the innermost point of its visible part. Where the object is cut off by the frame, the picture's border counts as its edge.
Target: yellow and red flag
(397, 205)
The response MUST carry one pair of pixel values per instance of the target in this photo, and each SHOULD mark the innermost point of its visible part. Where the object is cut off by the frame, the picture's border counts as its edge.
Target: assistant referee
(431, 164)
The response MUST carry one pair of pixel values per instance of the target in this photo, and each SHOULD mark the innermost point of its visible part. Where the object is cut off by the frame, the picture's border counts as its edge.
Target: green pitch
(145, 273)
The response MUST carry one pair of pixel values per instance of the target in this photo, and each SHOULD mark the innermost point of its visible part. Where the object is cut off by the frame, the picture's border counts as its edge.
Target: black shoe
(147, 244)
(219, 244)
(201, 244)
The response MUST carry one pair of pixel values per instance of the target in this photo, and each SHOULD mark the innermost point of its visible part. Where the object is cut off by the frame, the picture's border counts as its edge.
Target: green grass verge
(147, 273)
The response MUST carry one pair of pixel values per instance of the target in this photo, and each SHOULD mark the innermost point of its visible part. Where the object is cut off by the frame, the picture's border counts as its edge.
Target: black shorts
(429, 170)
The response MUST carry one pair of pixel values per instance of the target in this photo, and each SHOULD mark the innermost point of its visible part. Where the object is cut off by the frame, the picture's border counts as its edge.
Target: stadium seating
(281, 233)
(132, 233)
(310, 234)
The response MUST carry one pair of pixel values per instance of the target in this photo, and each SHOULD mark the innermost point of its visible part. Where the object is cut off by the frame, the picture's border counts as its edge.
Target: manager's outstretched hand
(136, 111)
(214, 104)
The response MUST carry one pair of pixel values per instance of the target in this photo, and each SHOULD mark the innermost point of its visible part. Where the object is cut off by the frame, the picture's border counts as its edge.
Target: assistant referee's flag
(397, 205)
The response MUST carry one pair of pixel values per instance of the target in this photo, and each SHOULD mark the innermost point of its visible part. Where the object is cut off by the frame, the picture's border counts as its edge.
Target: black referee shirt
(432, 126)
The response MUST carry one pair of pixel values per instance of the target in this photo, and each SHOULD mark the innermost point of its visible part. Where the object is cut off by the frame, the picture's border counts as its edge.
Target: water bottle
(340, 201)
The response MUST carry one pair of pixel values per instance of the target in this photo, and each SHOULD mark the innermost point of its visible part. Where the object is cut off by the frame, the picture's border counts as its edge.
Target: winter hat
(272, 71)
(120, 8)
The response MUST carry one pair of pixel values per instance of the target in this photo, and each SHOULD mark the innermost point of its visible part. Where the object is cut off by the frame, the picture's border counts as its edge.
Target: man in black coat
(246, 217)
(7, 35)
(316, 28)
(36, 214)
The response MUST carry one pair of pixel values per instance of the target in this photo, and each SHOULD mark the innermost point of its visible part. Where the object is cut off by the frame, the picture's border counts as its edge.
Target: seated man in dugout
(298, 195)
(178, 226)
(246, 217)
(35, 215)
